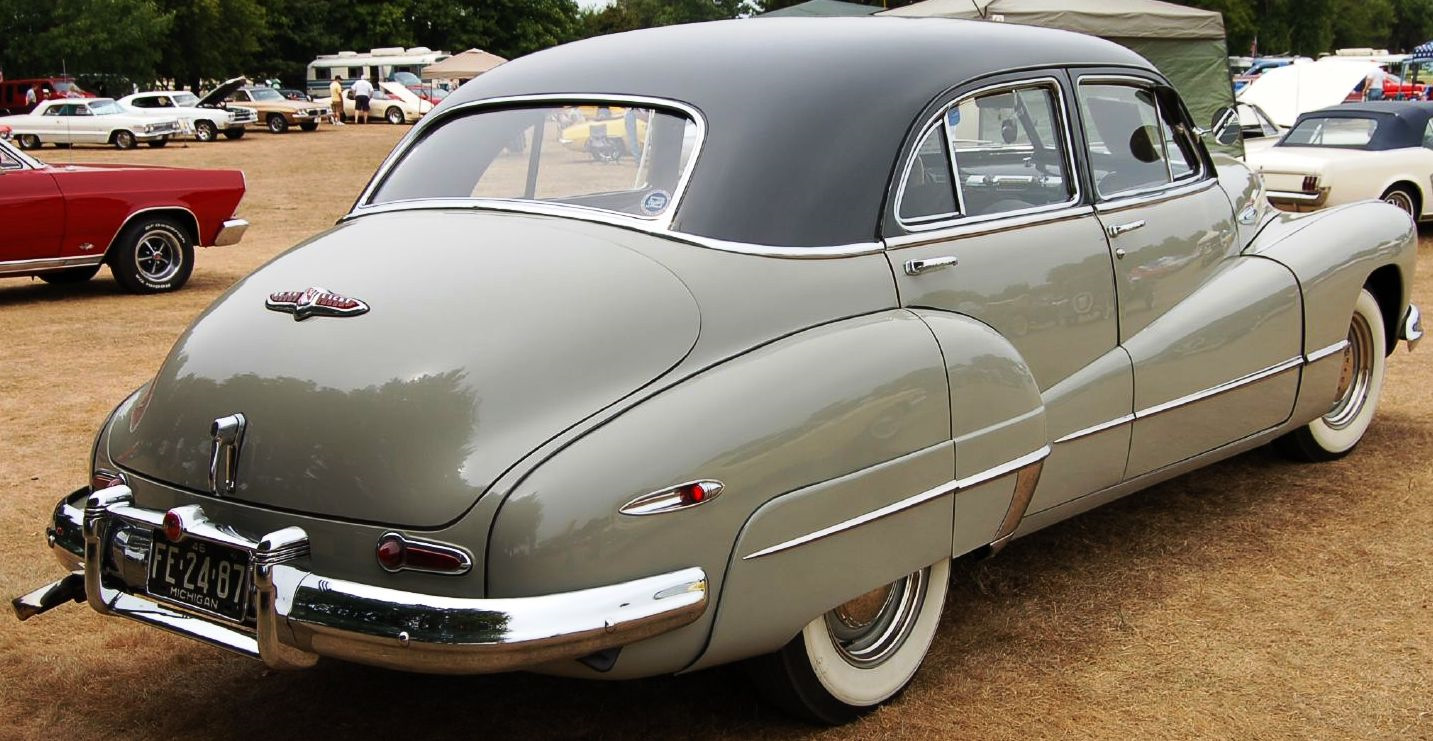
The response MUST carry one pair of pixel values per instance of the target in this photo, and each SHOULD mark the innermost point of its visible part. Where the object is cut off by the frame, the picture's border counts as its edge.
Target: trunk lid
(487, 334)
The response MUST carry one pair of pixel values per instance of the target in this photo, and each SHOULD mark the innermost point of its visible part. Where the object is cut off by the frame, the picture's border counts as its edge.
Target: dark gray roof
(805, 116)
(1401, 122)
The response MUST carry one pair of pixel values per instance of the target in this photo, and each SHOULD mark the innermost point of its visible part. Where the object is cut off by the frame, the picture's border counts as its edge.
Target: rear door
(1214, 336)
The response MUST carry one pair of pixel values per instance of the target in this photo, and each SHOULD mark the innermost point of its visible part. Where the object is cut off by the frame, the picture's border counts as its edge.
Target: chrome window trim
(1150, 196)
(1002, 223)
(1142, 196)
(663, 221)
(928, 495)
(938, 120)
(14, 267)
(610, 218)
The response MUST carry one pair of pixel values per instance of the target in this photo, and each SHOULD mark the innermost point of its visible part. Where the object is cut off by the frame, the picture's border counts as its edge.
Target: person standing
(362, 92)
(32, 97)
(335, 94)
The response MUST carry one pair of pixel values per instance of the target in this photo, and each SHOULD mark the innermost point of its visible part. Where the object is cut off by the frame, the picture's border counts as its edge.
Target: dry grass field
(1253, 599)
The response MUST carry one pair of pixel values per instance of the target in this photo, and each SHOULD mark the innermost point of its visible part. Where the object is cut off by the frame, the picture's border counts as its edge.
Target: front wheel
(860, 654)
(28, 141)
(394, 115)
(1360, 382)
(123, 139)
(277, 123)
(205, 131)
(152, 255)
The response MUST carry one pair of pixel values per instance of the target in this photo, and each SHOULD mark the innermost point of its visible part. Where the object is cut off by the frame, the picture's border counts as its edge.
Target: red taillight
(693, 494)
(173, 526)
(103, 479)
(397, 553)
(1311, 183)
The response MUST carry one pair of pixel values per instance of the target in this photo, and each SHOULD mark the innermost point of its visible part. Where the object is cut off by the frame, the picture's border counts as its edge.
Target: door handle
(916, 267)
(1114, 230)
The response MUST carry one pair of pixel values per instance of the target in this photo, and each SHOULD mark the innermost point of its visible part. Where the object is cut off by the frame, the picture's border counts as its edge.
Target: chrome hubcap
(867, 630)
(1355, 376)
(158, 256)
(1400, 200)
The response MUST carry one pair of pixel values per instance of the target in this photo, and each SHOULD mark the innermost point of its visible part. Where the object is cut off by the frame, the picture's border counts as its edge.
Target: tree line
(189, 41)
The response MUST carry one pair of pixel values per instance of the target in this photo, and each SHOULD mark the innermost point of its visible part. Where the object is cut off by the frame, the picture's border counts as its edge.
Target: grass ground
(1254, 598)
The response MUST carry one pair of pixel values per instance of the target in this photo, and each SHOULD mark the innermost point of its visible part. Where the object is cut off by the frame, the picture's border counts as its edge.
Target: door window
(1009, 151)
(1122, 132)
(928, 194)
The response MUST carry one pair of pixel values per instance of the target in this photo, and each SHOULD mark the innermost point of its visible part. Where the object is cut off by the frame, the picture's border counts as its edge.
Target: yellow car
(578, 137)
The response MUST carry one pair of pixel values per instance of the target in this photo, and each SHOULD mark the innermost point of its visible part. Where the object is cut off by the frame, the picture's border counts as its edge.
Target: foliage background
(115, 43)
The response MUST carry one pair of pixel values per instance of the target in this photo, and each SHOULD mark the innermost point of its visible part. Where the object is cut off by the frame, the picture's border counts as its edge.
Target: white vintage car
(391, 102)
(1353, 152)
(67, 121)
(205, 122)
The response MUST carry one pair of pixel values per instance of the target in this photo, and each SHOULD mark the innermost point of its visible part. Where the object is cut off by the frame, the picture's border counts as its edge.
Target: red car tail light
(1311, 183)
(398, 553)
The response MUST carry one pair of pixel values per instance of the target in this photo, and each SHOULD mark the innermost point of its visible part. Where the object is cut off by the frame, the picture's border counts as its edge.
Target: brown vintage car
(276, 112)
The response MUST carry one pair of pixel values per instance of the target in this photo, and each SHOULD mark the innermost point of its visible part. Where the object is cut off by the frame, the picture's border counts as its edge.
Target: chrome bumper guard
(1299, 197)
(1411, 330)
(231, 232)
(298, 616)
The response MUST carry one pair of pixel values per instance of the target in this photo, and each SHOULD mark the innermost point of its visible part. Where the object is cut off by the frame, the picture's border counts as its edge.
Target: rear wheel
(233, 133)
(394, 115)
(28, 141)
(204, 131)
(152, 255)
(277, 123)
(70, 275)
(858, 655)
(122, 139)
(1360, 382)
(1400, 196)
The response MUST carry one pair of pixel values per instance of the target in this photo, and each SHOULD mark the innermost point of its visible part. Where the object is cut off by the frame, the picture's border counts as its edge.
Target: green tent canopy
(1186, 44)
(822, 8)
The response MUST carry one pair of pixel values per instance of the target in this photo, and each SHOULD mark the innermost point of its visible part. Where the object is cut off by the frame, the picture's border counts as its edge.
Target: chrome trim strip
(662, 222)
(1222, 388)
(231, 232)
(987, 225)
(1096, 429)
(1298, 195)
(300, 615)
(939, 120)
(1151, 196)
(928, 495)
(1320, 354)
(618, 220)
(22, 267)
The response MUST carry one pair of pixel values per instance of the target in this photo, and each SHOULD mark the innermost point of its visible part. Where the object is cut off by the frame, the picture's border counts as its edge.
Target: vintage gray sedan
(742, 390)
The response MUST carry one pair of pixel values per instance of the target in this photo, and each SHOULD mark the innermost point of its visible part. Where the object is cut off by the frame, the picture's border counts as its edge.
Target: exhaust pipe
(50, 596)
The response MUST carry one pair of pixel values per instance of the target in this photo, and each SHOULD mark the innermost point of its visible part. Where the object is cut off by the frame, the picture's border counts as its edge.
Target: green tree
(629, 15)
(111, 38)
(212, 39)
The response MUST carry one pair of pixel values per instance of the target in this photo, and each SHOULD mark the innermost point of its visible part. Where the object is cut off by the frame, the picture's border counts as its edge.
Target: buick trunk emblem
(314, 302)
(228, 434)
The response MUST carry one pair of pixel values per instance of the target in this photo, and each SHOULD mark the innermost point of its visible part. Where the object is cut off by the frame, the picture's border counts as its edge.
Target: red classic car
(61, 223)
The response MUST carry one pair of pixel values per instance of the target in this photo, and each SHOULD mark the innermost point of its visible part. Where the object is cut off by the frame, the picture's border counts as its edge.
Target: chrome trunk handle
(916, 267)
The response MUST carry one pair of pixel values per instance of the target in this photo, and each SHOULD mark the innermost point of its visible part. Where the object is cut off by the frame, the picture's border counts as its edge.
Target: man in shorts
(335, 94)
(362, 92)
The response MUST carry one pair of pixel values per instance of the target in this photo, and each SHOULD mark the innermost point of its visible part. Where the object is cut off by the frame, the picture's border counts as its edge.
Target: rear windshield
(1331, 132)
(619, 159)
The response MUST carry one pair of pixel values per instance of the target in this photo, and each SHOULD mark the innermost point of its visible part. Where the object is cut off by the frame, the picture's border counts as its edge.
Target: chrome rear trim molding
(928, 495)
(24, 267)
(1222, 388)
(1096, 429)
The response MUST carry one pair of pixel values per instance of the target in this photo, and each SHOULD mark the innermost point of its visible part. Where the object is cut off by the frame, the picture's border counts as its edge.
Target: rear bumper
(231, 232)
(1299, 199)
(296, 616)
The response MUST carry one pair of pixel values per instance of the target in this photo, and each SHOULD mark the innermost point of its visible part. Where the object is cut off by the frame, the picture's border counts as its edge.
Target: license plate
(199, 574)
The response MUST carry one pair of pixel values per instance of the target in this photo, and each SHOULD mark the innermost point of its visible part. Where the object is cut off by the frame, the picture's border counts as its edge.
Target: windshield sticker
(655, 202)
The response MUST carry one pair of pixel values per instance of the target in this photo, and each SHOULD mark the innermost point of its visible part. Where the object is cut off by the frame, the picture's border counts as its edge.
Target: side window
(9, 161)
(1009, 151)
(53, 110)
(928, 194)
(1428, 135)
(1123, 134)
(142, 103)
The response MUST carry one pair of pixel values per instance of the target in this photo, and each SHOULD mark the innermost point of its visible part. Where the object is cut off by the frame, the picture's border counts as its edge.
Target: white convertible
(67, 121)
(391, 102)
(1353, 152)
(205, 122)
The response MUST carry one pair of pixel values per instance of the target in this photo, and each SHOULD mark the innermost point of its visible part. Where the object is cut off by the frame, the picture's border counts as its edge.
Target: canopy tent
(462, 66)
(1186, 44)
(822, 8)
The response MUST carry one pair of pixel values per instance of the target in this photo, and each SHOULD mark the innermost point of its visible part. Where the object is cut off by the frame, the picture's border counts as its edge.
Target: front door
(32, 211)
(1214, 336)
(994, 224)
